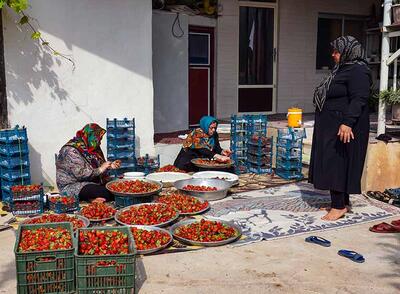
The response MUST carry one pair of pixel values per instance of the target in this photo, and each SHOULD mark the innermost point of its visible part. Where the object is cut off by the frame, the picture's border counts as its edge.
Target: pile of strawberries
(147, 214)
(184, 203)
(98, 211)
(145, 239)
(199, 188)
(57, 218)
(103, 242)
(133, 186)
(206, 231)
(67, 200)
(169, 168)
(43, 239)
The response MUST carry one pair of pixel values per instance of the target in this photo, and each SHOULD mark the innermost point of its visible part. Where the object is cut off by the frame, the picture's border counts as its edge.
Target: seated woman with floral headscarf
(201, 143)
(81, 168)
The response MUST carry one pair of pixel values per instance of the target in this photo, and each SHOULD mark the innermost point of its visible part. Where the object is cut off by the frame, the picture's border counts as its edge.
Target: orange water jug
(295, 116)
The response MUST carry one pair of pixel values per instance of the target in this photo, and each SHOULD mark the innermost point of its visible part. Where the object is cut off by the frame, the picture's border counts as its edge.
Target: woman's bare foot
(334, 214)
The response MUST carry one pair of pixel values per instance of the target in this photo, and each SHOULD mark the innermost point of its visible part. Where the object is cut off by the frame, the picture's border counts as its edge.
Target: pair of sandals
(352, 255)
(388, 196)
(393, 227)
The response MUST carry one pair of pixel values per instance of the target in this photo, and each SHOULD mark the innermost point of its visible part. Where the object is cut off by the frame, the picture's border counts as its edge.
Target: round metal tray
(137, 205)
(135, 194)
(86, 221)
(150, 228)
(221, 185)
(167, 178)
(207, 244)
(209, 166)
(229, 177)
(193, 213)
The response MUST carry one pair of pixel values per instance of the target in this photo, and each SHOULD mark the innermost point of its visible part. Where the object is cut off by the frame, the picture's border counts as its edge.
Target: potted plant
(392, 97)
(396, 11)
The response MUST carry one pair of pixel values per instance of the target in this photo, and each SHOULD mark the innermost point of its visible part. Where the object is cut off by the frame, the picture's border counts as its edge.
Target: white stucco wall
(297, 45)
(170, 73)
(110, 42)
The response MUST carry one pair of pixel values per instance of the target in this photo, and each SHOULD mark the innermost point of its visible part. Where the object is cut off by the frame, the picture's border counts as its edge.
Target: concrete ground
(281, 266)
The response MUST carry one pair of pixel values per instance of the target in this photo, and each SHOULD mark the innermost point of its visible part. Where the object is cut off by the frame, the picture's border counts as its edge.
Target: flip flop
(384, 228)
(318, 241)
(352, 255)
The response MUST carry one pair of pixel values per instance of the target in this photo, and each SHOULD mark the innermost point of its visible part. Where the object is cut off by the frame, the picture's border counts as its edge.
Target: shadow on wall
(37, 171)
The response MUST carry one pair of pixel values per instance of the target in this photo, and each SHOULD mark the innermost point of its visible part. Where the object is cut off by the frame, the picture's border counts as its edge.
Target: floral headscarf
(87, 142)
(199, 137)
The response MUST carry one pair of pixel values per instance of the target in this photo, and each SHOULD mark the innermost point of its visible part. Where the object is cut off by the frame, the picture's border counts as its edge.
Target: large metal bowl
(208, 244)
(167, 178)
(135, 194)
(218, 175)
(116, 216)
(210, 166)
(150, 228)
(221, 185)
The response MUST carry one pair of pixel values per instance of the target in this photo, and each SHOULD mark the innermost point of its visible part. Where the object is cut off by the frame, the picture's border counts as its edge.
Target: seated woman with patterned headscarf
(201, 143)
(81, 168)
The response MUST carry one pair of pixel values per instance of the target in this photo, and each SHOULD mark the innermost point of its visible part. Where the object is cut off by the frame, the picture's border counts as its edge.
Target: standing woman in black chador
(341, 127)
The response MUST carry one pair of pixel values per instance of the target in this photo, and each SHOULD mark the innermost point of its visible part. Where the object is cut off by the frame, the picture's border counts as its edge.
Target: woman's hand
(116, 164)
(105, 166)
(345, 133)
(226, 152)
(221, 158)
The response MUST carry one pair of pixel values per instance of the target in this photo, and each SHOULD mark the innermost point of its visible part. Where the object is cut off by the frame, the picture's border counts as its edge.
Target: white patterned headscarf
(351, 52)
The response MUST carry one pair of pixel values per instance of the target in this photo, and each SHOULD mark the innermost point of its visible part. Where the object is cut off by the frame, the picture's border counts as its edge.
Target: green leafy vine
(19, 7)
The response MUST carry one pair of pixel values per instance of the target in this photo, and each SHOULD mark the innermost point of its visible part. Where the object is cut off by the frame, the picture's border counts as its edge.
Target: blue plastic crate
(127, 135)
(28, 206)
(6, 196)
(6, 185)
(15, 174)
(120, 123)
(285, 143)
(59, 207)
(124, 154)
(289, 153)
(289, 175)
(288, 164)
(291, 134)
(259, 159)
(14, 149)
(124, 201)
(13, 135)
(120, 145)
(14, 161)
(259, 169)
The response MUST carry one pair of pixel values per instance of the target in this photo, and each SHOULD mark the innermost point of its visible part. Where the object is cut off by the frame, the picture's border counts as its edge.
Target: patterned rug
(291, 210)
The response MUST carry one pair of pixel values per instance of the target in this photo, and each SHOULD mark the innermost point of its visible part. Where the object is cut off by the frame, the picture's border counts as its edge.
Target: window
(331, 26)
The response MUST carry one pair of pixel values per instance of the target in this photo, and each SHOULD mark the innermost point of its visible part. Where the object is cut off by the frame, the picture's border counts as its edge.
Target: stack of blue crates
(238, 142)
(259, 146)
(289, 152)
(14, 160)
(243, 128)
(148, 164)
(121, 144)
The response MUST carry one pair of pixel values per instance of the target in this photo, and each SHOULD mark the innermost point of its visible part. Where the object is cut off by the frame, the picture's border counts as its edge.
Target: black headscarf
(351, 52)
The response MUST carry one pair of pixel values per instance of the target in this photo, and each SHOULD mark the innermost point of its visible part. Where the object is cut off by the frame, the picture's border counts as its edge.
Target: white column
(383, 83)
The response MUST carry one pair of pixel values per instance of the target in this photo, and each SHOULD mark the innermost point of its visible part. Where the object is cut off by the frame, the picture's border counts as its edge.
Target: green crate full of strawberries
(44, 255)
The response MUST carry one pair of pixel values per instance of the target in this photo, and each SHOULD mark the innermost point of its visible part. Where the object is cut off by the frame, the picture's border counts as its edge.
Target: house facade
(265, 56)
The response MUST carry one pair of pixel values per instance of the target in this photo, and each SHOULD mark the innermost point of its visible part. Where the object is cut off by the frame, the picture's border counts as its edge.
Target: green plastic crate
(116, 278)
(45, 271)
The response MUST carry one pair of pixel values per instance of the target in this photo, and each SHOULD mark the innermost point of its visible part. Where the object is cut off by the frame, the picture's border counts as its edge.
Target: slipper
(352, 255)
(375, 195)
(318, 240)
(384, 228)
(396, 223)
